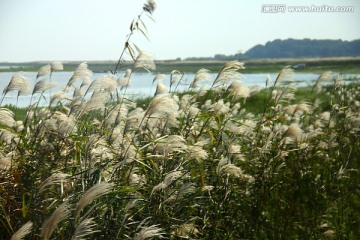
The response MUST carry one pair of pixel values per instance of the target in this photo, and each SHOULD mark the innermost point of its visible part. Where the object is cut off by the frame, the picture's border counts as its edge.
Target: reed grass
(229, 162)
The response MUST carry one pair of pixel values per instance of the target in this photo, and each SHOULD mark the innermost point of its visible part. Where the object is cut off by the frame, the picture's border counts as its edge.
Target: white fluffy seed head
(22, 232)
(163, 104)
(7, 117)
(160, 88)
(56, 66)
(146, 61)
(44, 71)
(43, 85)
(149, 232)
(106, 83)
(201, 75)
(284, 75)
(81, 72)
(241, 91)
(50, 224)
(125, 81)
(19, 83)
(93, 193)
(229, 72)
(294, 132)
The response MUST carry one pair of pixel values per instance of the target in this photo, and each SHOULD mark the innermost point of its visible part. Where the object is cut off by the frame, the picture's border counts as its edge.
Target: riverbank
(311, 65)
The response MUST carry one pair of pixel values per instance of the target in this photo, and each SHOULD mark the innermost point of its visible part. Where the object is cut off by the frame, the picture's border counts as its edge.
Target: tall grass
(198, 165)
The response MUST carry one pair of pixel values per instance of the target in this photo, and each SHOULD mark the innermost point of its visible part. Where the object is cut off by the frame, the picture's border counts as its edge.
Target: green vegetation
(316, 65)
(305, 48)
(229, 162)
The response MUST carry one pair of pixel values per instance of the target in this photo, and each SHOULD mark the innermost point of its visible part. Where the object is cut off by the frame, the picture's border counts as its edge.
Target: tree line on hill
(295, 48)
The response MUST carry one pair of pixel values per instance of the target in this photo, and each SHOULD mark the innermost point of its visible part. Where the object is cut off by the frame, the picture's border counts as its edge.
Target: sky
(85, 30)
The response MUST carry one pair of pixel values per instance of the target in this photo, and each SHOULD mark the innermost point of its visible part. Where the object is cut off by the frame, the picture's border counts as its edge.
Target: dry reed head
(5, 162)
(84, 229)
(225, 168)
(149, 6)
(149, 232)
(118, 114)
(338, 81)
(239, 90)
(170, 144)
(93, 193)
(175, 76)
(44, 71)
(7, 117)
(81, 72)
(22, 232)
(50, 224)
(56, 66)
(125, 81)
(193, 111)
(56, 178)
(160, 88)
(229, 72)
(163, 104)
(294, 132)
(106, 83)
(197, 152)
(159, 77)
(8, 137)
(169, 178)
(43, 85)
(97, 101)
(18, 83)
(284, 75)
(57, 97)
(186, 230)
(201, 75)
(146, 61)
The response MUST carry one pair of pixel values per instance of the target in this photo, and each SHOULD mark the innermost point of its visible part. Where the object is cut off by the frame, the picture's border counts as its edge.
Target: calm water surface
(141, 83)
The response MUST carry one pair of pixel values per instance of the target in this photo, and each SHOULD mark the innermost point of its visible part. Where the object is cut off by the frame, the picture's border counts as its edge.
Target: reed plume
(93, 193)
(56, 66)
(106, 83)
(44, 71)
(5, 162)
(50, 224)
(201, 75)
(18, 83)
(56, 178)
(97, 101)
(22, 232)
(163, 104)
(149, 232)
(228, 72)
(7, 117)
(42, 86)
(145, 60)
(125, 81)
(84, 229)
(284, 75)
(239, 90)
(150, 6)
(81, 72)
(160, 88)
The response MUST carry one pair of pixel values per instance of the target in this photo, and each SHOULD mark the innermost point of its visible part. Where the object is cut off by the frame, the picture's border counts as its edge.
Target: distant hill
(295, 48)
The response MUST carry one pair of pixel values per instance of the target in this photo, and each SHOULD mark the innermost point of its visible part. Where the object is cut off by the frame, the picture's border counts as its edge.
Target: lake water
(141, 83)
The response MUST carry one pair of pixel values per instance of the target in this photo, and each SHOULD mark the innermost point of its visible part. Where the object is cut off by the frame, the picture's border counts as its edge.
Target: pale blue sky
(33, 30)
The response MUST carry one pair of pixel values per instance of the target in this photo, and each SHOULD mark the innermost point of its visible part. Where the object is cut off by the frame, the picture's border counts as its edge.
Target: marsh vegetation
(201, 164)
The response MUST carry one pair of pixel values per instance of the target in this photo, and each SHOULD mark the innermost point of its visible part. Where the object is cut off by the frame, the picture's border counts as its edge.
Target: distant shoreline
(347, 64)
